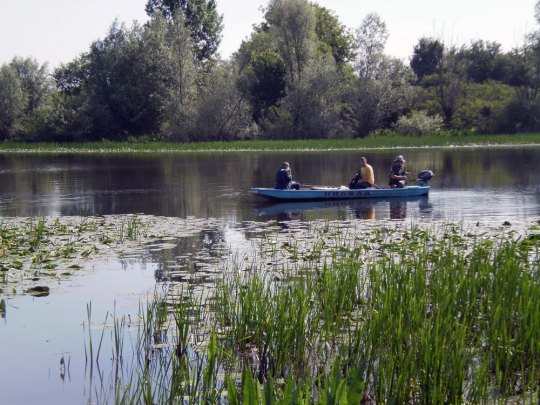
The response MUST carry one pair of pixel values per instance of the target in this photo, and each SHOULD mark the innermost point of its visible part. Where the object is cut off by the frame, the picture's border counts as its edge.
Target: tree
(201, 18)
(214, 118)
(292, 23)
(333, 37)
(378, 103)
(485, 61)
(12, 101)
(371, 39)
(264, 81)
(312, 106)
(176, 75)
(427, 57)
(482, 110)
(379, 93)
(138, 81)
(447, 83)
(35, 81)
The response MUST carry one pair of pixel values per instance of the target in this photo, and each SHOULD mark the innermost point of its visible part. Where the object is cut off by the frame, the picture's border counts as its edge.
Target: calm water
(480, 184)
(469, 183)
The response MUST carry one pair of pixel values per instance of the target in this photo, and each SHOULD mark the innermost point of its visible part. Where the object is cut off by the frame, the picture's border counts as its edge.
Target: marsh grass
(375, 141)
(428, 315)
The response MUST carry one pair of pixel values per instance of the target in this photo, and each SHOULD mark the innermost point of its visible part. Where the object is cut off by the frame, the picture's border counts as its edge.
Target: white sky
(56, 31)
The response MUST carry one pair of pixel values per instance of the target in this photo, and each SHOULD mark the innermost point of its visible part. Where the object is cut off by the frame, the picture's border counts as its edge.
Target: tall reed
(418, 316)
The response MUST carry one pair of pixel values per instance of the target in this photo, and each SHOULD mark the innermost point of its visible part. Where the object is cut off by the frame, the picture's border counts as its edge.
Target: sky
(57, 31)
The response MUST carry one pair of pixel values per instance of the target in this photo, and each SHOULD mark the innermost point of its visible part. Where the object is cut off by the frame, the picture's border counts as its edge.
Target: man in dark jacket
(284, 178)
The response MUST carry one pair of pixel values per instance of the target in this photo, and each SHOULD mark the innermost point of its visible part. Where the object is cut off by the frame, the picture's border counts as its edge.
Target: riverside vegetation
(330, 313)
(301, 73)
(388, 140)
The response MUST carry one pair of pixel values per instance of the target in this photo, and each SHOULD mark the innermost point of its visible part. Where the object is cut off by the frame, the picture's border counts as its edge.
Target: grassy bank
(420, 315)
(371, 142)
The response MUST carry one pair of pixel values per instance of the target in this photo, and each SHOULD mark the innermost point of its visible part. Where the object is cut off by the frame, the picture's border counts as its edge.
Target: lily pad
(38, 291)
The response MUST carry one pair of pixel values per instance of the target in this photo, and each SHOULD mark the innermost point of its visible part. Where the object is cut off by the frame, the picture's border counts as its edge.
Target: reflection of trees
(489, 167)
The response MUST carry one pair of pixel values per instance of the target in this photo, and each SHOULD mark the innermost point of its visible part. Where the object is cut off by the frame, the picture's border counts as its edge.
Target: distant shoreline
(368, 143)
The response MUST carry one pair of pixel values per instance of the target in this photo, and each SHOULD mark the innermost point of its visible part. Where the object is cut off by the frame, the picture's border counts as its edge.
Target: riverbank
(371, 142)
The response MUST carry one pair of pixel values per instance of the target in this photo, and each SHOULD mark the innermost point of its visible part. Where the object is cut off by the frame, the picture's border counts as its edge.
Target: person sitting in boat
(365, 177)
(398, 174)
(284, 178)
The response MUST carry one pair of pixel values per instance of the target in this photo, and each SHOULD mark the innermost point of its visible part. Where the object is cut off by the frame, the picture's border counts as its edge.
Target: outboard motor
(424, 176)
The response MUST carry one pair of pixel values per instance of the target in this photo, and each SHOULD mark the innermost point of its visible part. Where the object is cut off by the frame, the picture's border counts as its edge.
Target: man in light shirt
(365, 177)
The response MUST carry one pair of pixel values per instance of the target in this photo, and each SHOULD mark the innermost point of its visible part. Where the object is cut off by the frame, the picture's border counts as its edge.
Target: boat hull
(329, 193)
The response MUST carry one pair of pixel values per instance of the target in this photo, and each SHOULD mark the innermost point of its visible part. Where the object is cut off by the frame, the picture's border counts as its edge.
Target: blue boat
(338, 193)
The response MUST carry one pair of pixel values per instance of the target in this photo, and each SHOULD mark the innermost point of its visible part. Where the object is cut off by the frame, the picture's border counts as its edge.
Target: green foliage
(35, 82)
(215, 119)
(162, 80)
(137, 81)
(12, 101)
(483, 108)
(371, 39)
(312, 104)
(418, 123)
(521, 116)
(375, 104)
(200, 17)
(333, 36)
(25, 87)
(485, 61)
(264, 81)
(427, 57)
(292, 22)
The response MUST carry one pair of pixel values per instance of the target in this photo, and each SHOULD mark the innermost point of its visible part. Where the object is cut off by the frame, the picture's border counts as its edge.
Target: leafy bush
(483, 109)
(418, 123)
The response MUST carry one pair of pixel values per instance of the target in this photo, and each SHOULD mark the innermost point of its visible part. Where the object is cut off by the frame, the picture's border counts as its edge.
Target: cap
(399, 159)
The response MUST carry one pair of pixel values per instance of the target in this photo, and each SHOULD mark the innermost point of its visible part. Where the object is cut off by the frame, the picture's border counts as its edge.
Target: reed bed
(430, 315)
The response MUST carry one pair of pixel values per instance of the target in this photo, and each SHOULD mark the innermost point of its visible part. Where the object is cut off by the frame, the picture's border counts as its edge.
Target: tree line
(300, 74)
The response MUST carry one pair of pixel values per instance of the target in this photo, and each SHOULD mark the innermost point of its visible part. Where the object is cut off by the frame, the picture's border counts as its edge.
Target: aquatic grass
(130, 228)
(413, 315)
(36, 233)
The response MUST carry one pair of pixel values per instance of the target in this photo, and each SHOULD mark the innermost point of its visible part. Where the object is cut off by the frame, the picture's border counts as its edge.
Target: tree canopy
(200, 16)
(301, 73)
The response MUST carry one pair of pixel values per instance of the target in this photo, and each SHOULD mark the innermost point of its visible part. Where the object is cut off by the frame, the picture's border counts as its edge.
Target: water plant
(423, 315)
(35, 248)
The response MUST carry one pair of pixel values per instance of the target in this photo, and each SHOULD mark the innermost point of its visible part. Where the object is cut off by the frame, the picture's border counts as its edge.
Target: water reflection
(364, 209)
(217, 185)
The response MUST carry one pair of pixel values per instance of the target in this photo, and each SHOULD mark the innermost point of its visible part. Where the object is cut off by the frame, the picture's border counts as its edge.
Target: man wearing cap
(365, 177)
(398, 175)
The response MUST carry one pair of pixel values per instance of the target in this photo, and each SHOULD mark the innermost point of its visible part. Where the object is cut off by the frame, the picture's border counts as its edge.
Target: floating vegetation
(36, 251)
(38, 291)
(344, 313)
